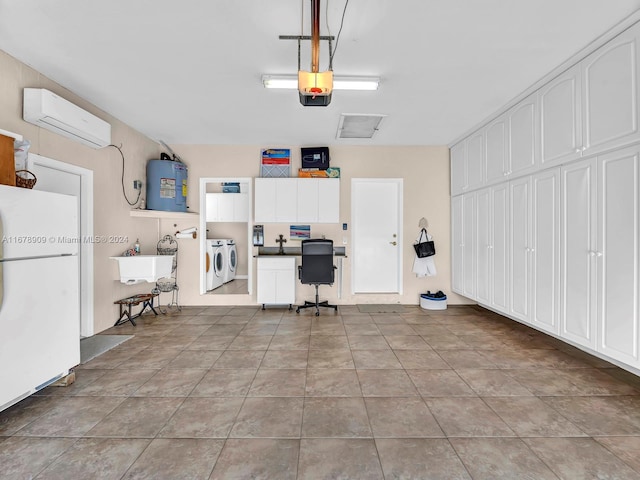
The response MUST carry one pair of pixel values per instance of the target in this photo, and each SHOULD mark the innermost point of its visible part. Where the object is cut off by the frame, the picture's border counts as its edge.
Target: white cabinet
(227, 207)
(544, 251)
(520, 222)
(578, 281)
(276, 280)
(457, 228)
(467, 164)
(469, 245)
(499, 247)
(561, 118)
(523, 137)
(617, 255)
(483, 246)
(496, 135)
(303, 200)
(611, 77)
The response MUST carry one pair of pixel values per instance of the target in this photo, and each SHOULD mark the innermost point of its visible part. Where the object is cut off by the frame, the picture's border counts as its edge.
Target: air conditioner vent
(359, 125)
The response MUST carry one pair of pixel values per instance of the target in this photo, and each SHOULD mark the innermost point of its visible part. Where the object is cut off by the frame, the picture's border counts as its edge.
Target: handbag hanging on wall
(424, 247)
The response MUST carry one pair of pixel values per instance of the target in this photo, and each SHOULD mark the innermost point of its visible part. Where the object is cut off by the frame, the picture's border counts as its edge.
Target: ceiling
(188, 72)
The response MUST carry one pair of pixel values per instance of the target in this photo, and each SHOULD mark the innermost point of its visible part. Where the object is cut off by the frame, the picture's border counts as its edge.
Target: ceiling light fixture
(339, 83)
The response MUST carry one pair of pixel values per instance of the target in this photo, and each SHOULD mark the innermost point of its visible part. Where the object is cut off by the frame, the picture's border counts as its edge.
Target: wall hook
(423, 223)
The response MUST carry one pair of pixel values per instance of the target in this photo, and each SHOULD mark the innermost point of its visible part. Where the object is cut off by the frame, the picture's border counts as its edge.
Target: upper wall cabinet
(523, 137)
(467, 164)
(305, 200)
(496, 134)
(561, 119)
(611, 94)
(227, 207)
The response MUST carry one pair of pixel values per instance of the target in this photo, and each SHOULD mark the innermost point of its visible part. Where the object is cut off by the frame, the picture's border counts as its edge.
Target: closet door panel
(500, 247)
(519, 248)
(483, 247)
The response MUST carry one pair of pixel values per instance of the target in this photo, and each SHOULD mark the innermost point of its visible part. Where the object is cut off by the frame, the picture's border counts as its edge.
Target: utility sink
(144, 268)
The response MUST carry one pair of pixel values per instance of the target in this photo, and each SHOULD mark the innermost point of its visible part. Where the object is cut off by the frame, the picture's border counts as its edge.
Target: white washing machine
(232, 260)
(215, 263)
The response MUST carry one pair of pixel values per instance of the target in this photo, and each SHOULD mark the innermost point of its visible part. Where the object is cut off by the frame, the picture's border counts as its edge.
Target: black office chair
(317, 269)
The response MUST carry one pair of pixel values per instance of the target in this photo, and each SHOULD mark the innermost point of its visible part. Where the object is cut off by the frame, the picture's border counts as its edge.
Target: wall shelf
(162, 214)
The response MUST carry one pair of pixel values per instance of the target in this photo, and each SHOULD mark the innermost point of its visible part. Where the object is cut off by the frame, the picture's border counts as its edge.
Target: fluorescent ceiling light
(339, 83)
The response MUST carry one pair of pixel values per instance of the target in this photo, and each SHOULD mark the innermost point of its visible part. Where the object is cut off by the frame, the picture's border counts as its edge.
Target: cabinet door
(469, 246)
(483, 246)
(611, 75)
(617, 255)
(500, 247)
(212, 207)
(560, 119)
(266, 293)
(286, 200)
(241, 207)
(265, 200)
(457, 239)
(577, 242)
(545, 236)
(329, 200)
(522, 136)
(458, 171)
(308, 200)
(519, 247)
(496, 150)
(226, 206)
(475, 160)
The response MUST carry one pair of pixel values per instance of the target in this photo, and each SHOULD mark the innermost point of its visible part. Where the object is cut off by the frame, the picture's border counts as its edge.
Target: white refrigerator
(39, 302)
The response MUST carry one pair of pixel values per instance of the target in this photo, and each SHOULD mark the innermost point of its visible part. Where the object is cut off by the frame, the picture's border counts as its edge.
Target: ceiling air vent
(359, 125)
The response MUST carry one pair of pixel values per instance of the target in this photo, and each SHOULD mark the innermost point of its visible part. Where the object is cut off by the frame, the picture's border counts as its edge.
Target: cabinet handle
(393, 243)
(598, 254)
(578, 150)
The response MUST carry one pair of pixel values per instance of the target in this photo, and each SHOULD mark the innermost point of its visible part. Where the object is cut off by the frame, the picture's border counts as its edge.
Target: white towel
(426, 266)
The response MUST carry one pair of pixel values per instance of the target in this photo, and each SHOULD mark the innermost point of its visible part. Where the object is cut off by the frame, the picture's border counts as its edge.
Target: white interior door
(60, 177)
(376, 217)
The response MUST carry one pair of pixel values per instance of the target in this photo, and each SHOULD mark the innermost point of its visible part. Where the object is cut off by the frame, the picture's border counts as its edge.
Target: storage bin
(429, 302)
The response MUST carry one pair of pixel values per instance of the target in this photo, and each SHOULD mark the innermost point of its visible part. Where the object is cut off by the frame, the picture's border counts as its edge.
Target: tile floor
(240, 393)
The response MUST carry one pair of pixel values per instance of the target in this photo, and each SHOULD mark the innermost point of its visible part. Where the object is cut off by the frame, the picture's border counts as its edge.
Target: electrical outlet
(137, 184)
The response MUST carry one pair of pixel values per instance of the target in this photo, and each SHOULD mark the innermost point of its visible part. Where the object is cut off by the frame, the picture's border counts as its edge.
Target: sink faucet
(281, 241)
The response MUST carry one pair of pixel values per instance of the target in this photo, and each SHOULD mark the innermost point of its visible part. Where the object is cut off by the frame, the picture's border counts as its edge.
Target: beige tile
(332, 382)
(257, 458)
(152, 357)
(361, 329)
(211, 342)
(171, 382)
(440, 383)
(446, 341)
(285, 359)
(225, 330)
(289, 342)
(331, 358)
(293, 329)
(110, 458)
(203, 418)
(338, 458)
(335, 417)
(421, 359)
(259, 329)
(466, 359)
(118, 383)
(250, 342)
(420, 459)
(399, 417)
(592, 381)
(467, 417)
(397, 330)
(531, 417)
(240, 359)
(25, 457)
(385, 383)
(543, 381)
(580, 458)
(625, 448)
(500, 458)
(26, 411)
(196, 359)
(432, 330)
(407, 342)
(191, 458)
(225, 383)
(328, 341)
(72, 416)
(368, 342)
(269, 417)
(278, 383)
(375, 359)
(600, 415)
(327, 329)
(137, 418)
(492, 383)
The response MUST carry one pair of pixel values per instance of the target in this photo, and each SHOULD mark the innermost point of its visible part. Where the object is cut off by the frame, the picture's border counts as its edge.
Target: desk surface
(293, 251)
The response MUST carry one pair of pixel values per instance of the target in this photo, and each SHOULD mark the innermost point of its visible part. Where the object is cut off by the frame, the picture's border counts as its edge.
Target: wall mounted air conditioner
(47, 110)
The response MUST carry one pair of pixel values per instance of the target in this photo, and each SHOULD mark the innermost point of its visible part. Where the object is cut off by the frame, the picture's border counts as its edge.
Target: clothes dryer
(215, 263)
(232, 260)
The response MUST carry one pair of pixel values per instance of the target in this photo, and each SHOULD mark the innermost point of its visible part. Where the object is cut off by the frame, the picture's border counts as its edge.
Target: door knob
(393, 243)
